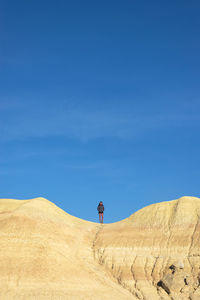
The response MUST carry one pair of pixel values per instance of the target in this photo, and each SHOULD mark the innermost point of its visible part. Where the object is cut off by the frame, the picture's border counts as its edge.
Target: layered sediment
(155, 253)
(46, 253)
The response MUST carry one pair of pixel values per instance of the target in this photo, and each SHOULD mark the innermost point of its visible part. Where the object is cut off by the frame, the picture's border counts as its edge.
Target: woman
(100, 209)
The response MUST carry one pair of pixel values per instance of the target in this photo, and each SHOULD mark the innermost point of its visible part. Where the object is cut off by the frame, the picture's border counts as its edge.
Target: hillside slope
(155, 253)
(46, 253)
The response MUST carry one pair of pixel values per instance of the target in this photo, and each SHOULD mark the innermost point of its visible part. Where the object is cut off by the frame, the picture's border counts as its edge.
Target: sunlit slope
(139, 250)
(47, 254)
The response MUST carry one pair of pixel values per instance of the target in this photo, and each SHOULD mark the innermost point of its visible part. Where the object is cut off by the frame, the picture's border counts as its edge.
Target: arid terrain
(46, 253)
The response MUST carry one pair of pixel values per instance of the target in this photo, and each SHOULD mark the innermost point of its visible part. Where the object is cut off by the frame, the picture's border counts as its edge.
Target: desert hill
(46, 253)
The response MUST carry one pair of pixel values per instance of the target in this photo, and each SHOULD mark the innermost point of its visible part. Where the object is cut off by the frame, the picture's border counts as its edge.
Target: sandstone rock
(151, 240)
(47, 254)
(195, 295)
(174, 279)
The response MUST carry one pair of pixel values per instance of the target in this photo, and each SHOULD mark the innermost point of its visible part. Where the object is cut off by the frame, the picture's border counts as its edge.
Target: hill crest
(45, 253)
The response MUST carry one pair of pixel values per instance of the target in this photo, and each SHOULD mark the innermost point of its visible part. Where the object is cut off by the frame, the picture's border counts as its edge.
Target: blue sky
(99, 100)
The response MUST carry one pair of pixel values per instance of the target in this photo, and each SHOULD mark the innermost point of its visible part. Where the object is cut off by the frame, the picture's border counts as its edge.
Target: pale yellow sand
(46, 253)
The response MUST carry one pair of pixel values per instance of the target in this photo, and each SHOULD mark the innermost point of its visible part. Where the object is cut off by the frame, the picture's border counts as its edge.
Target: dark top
(100, 208)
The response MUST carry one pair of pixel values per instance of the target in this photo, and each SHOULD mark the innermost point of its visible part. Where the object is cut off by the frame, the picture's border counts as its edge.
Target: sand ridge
(46, 253)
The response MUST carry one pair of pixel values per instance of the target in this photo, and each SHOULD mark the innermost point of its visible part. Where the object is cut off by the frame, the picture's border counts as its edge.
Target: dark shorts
(101, 213)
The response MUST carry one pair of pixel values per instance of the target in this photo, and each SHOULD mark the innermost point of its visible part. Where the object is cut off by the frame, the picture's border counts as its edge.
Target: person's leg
(100, 217)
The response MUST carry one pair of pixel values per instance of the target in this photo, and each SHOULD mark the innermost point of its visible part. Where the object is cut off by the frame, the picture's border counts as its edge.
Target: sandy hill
(46, 253)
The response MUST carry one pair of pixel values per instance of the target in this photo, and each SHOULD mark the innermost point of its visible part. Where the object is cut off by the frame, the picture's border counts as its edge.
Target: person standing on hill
(100, 209)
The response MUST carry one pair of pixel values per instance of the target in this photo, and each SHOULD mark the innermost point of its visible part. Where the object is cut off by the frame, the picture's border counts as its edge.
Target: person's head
(101, 203)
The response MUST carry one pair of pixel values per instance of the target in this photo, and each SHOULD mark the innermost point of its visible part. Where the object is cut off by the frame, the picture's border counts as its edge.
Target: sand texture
(46, 253)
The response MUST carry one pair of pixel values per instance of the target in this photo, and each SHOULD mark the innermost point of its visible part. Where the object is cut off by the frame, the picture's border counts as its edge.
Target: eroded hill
(46, 253)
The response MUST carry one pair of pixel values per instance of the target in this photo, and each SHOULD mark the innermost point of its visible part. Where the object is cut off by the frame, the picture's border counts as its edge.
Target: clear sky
(100, 100)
